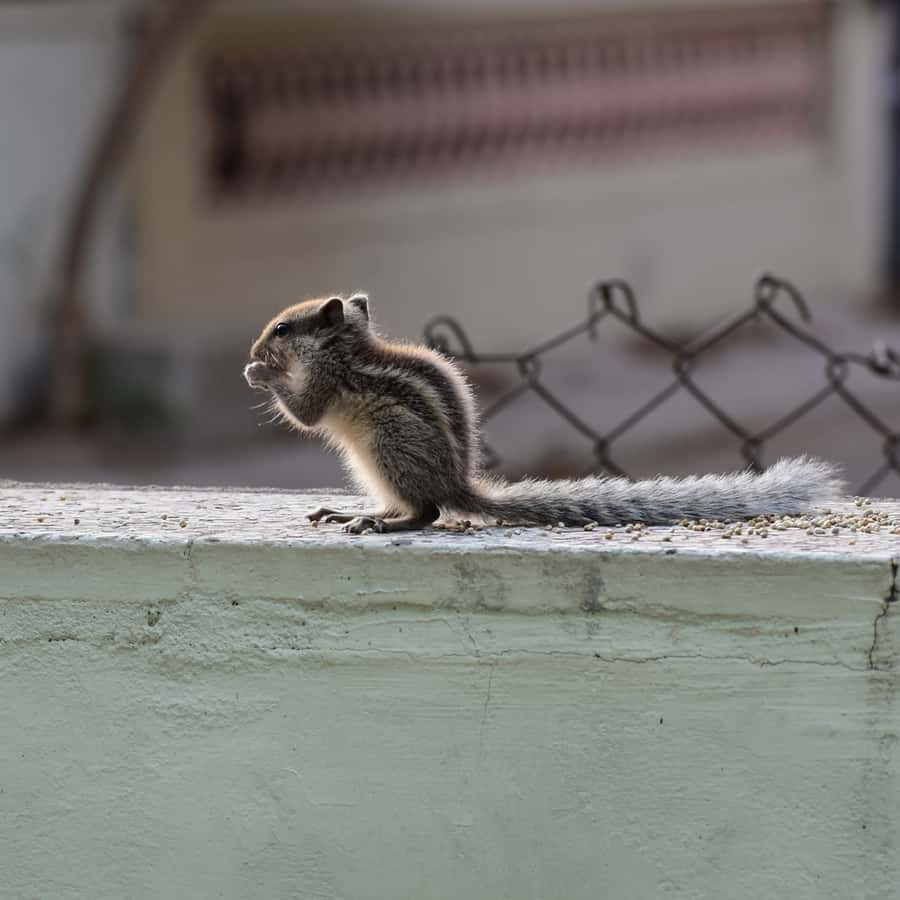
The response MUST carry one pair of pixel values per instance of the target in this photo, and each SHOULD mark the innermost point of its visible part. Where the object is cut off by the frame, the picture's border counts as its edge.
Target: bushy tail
(791, 486)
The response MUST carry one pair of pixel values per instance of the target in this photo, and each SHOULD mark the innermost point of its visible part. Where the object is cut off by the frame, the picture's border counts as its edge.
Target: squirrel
(404, 419)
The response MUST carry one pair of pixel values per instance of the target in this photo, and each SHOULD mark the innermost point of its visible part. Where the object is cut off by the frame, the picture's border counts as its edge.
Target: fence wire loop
(529, 368)
(681, 365)
(837, 370)
(616, 300)
(607, 291)
(768, 290)
(884, 360)
(439, 340)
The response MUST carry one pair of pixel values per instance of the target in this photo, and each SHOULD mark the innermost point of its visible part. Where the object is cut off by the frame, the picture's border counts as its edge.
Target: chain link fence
(774, 300)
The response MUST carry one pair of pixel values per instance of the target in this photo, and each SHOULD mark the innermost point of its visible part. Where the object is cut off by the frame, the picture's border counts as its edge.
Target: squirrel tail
(789, 487)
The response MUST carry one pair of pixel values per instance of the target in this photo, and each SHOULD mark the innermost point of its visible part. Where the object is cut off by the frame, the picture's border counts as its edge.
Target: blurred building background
(490, 161)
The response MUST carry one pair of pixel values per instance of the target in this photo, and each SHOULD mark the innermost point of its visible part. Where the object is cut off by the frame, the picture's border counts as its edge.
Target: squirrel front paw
(259, 375)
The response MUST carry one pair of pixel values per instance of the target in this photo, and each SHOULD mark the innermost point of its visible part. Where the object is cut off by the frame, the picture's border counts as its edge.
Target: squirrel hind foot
(362, 524)
(379, 525)
(339, 517)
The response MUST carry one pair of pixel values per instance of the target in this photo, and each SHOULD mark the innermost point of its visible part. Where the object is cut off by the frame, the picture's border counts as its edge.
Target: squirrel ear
(360, 302)
(332, 311)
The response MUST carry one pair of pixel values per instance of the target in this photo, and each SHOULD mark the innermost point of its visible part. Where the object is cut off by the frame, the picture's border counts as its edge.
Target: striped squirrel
(404, 419)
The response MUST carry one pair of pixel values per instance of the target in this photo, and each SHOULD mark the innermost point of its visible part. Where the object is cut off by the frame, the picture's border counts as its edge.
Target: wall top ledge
(177, 517)
(70, 541)
(241, 570)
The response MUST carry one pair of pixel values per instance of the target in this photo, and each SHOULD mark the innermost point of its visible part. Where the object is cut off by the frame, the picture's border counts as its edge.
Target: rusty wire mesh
(615, 300)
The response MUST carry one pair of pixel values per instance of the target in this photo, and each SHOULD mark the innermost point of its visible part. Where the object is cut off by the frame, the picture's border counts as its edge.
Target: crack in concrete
(760, 661)
(467, 631)
(485, 656)
(872, 664)
(484, 710)
(192, 566)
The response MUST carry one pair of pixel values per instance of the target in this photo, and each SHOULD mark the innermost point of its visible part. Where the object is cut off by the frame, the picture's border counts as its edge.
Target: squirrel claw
(322, 512)
(364, 523)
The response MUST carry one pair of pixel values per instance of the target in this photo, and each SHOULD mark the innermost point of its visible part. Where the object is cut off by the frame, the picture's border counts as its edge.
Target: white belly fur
(352, 441)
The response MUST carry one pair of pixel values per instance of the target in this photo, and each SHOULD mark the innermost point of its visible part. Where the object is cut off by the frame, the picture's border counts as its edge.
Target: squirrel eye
(281, 329)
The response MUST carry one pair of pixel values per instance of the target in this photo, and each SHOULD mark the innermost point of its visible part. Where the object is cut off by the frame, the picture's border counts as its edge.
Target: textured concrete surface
(202, 696)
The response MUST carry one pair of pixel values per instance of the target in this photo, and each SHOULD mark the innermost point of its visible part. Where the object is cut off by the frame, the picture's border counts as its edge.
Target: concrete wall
(200, 696)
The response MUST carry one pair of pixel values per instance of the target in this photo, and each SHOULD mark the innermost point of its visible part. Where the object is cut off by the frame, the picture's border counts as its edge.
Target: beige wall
(510, 256)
